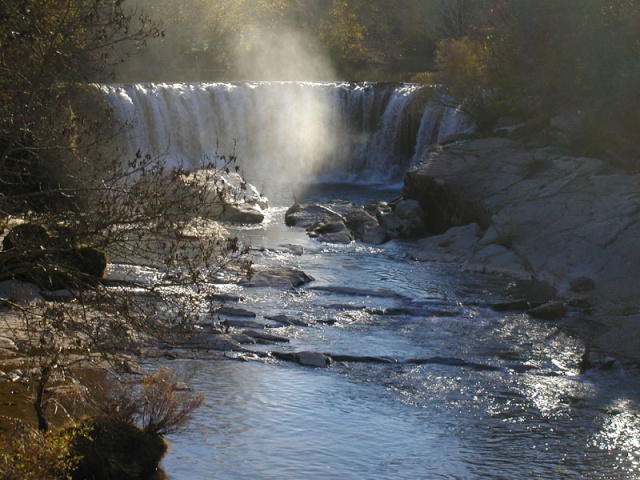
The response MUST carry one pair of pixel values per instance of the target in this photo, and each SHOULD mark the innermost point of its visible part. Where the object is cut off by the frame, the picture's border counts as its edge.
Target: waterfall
(301, 131)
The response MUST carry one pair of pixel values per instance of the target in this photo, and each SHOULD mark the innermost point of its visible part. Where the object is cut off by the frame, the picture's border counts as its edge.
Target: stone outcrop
(227, 196)
(497, 206)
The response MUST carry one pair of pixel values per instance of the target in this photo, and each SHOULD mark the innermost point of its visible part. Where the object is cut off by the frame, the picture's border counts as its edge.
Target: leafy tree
(343, 34)
(541, 58)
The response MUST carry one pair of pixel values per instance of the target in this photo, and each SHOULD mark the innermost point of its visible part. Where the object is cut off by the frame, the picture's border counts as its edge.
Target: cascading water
(297, 130)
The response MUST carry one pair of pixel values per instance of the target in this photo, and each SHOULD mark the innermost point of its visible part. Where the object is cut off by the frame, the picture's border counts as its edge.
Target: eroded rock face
(564, 220)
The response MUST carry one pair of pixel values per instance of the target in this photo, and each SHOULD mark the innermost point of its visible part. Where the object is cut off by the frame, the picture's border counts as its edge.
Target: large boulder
(406, 220)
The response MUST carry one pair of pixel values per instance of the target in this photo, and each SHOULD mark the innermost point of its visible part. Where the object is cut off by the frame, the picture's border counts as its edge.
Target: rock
(221, 342)
(511, 306)
(89, 261)
(582, 284)
(242, 213)
(23, 293)
(313, 359)
(309, 359)
(199, 227)
(453, 245)
(549, 311)
(279, 276)
(366, 227)
(235, 312)
(304, 216)
(333, 231)
(220, 196)
(26, 237)
(406, 220)
(263, 336)
(297, 250)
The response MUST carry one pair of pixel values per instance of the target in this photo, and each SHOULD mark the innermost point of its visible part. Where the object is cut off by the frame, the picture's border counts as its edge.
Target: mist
(295, 131)
(285, 55)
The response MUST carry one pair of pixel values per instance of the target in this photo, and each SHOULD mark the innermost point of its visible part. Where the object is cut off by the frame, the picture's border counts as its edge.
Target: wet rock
(297, 250)
(235, 312)
(549, 311)
(283, 319)
(511, 306)
(362, 359)
(359, 292)
(405, 220)
(308, 359)
(279, 276)
(224, 297)
(265, 337)
(333, 231)
(243, 339)
(455, 362)
(304, 216)
(366, 227)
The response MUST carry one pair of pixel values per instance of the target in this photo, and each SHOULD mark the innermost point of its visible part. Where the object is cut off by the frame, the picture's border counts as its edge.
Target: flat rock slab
(308, 359)
(235, 312)
(282, 276)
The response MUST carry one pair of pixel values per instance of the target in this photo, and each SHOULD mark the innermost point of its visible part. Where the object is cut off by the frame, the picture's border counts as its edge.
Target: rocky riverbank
(495, 206)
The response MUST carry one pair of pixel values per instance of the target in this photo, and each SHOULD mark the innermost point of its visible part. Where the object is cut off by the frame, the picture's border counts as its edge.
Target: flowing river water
(498, 397)
(457, 391)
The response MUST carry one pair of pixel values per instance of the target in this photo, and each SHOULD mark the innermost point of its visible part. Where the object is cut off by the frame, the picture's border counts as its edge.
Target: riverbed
(457, 391)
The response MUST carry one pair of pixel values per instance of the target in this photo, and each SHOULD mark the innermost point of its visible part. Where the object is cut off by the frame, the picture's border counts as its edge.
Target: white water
(286, 130)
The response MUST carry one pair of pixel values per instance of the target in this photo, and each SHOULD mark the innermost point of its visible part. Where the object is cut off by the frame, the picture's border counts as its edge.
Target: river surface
(496, 395)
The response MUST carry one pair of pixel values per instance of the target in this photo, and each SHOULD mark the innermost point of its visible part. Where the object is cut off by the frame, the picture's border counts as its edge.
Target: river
(501, 396)
(459, 392)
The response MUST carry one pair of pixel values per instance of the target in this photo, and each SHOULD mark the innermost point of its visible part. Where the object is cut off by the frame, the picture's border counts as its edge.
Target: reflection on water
(265, 421)
(502, 400)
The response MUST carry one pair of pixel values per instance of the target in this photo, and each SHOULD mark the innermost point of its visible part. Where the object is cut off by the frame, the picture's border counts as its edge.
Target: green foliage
(343, 34)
